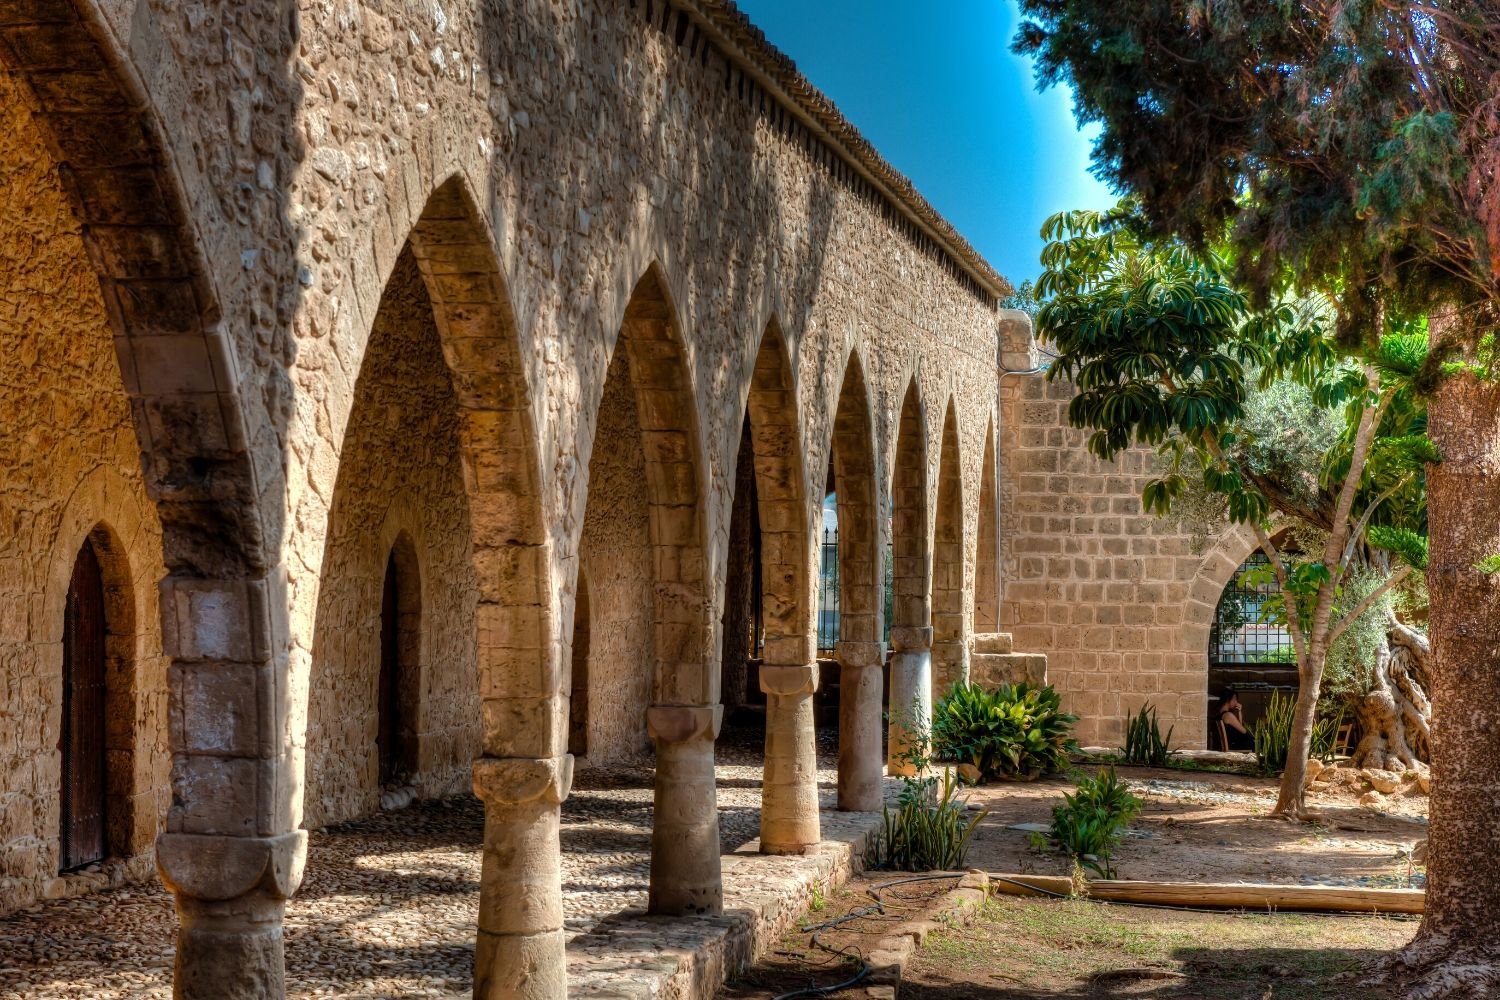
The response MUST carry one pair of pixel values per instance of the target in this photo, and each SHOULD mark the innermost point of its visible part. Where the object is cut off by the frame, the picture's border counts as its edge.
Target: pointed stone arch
(789, 673)
(230, 851)
(861, 647)
(987, 542)
(911, 582)
(949, 652)
(645, 454)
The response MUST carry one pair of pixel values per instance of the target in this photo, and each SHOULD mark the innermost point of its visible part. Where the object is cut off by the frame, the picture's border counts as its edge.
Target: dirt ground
(1211, 827)
(1195, 826)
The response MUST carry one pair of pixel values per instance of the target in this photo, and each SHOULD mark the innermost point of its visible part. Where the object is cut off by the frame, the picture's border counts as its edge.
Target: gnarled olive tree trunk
(1395, 716)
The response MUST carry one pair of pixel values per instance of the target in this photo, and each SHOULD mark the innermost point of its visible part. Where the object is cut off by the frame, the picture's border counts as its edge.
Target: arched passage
(400, 730)
(860, 649)
(442, 357)
(911, 610)
(1216, 570)
(789, 672)
(654, 649)
(949, 653)
(987, 551)
(142, 383)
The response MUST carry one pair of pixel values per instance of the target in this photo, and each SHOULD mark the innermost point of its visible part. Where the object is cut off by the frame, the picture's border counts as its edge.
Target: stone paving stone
(389, 903)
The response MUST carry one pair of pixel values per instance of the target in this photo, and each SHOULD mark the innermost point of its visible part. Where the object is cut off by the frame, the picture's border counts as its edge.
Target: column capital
(911, 639)
(514, 781)
(860, 654)
(681, 723)
(216, 868)
(789, 680)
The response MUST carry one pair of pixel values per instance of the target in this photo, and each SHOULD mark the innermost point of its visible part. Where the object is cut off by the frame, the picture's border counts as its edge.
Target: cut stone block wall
(1120, 601)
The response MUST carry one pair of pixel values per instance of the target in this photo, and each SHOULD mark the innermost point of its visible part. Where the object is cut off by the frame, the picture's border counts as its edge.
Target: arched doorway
(1253, 656)
(399, 698)
(84, 811)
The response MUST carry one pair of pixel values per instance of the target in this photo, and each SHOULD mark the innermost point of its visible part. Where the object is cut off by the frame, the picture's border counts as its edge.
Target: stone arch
(911, 609)
(1215, 570)
(911, 579)
(776, 444)
(949, 648)
(987, 535)
(860, 650)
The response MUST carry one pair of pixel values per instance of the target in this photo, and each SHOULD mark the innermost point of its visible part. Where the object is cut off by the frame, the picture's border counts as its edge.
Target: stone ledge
(635, 957)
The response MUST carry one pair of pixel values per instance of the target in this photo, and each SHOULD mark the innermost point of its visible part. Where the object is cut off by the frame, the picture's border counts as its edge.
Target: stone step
(992, 669)
(992, 642)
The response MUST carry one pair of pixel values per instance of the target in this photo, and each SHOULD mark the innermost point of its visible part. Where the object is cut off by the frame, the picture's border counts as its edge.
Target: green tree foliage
(1346, 148)
(1163, 349)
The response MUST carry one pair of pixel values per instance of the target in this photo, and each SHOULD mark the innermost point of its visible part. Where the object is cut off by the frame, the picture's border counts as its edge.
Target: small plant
(1015, 730)
(1089, 823)
(1273, 734)
(929, 829)
(1325, 735)
(819, 901)
(1144, 743)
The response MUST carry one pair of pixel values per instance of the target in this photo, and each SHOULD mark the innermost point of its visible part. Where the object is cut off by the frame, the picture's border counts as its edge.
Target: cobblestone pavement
(389, 903)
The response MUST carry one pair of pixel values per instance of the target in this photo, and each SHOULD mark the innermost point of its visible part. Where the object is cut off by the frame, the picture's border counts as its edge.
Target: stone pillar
(231, 897)
(520, 949)
(789, 787)
(911, 692)
(860, 759)
(685, 875)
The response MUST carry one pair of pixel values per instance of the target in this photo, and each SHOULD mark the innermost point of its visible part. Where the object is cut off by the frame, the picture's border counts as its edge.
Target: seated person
(1232, 715)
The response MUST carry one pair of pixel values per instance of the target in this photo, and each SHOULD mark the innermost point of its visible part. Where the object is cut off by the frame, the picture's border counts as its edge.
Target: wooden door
(388, 737)
(82, 739)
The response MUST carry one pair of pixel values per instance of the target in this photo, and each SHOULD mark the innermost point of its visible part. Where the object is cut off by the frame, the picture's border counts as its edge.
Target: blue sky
(935, 87)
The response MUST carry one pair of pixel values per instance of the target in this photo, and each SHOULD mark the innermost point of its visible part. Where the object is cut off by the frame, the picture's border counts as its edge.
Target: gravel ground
(389, 903)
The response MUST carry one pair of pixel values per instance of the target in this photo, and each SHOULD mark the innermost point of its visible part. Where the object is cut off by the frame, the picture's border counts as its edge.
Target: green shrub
(1144, 743)
(1273, 733)
(1325, 734)
(929, 829)
(1089, 823)
(1015, 730)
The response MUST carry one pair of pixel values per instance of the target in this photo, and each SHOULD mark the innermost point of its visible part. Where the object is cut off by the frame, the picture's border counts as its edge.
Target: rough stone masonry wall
(1116, 598)
(596, 139)
(72, 469)
(399, 476)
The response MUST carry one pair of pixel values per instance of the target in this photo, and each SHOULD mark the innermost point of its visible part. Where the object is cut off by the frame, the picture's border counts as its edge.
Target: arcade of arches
(460, 408)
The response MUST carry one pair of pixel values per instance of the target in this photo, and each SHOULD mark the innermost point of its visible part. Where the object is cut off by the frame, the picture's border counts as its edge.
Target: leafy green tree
(1164, 350)
(1351, 148)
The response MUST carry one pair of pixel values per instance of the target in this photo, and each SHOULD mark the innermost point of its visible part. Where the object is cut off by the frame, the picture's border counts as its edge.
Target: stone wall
(71, 473)
(1120, 601)
(400, 482)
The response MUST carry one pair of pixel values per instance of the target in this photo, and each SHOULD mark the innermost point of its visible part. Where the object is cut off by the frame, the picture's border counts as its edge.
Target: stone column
(520, 949)
(685, 875)
(911, 692)
(860, 759)
(231, 897)
(789, 786)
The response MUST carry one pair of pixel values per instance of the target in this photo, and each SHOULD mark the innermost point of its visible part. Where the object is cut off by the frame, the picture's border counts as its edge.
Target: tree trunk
(1457, 950)
(1291, 798)
(1394, 716)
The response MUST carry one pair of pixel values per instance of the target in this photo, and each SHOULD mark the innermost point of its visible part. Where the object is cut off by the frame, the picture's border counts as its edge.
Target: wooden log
(1225, 896)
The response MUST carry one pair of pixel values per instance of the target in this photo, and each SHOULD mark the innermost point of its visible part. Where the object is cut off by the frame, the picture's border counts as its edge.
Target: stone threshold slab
(631, 956)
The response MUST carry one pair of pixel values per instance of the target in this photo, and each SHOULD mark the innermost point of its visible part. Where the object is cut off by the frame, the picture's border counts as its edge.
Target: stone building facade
(357, 341)
(1121, 602)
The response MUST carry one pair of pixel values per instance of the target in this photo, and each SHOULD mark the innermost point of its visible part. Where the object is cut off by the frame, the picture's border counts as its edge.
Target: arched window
(84, 813)
(1240, 636)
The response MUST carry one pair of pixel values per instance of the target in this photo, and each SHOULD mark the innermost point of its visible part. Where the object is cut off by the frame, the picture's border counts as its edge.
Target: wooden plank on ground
(1226, 896)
